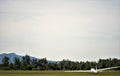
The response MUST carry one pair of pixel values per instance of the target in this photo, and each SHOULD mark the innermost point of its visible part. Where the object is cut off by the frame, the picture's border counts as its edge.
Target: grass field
(56, 73)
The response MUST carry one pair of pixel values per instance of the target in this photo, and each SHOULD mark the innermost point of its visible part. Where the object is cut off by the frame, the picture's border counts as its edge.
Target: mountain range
(11, 57)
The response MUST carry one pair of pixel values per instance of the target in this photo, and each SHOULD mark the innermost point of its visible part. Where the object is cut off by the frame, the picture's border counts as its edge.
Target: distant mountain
(11, 57)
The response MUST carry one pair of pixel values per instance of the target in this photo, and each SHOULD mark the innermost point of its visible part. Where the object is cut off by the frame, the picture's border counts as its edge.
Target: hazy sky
(61, 29)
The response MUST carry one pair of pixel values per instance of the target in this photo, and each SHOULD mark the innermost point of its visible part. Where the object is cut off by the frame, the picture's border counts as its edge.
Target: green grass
(56, 73)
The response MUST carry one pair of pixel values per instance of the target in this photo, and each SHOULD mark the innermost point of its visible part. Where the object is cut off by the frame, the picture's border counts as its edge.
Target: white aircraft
(94, 70)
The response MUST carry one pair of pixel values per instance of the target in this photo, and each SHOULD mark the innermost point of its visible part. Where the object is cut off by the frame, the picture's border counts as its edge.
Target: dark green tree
(53, 66)
(5, 61)
(34, 64)
(26, 63)
(16, 63)
(82, 65)
(11, 66)
(42, 64)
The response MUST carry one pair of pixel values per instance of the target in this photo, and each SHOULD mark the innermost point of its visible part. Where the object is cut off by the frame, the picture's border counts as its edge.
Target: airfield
(57, 73)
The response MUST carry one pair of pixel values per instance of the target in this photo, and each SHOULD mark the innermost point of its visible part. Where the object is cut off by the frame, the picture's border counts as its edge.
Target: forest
(43, 64)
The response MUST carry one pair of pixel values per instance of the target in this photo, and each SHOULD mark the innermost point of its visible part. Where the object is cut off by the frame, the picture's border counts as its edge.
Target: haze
(61, 29)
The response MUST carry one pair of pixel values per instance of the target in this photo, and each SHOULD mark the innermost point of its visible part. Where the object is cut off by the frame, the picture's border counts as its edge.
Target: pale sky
(78, 30)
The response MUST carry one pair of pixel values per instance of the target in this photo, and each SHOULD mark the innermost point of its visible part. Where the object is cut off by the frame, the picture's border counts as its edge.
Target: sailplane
(92, 70)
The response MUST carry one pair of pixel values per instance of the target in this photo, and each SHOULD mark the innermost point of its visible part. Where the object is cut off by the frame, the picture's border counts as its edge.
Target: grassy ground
(56, 73)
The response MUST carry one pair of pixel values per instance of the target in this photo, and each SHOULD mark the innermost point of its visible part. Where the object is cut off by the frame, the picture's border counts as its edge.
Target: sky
(77, 30)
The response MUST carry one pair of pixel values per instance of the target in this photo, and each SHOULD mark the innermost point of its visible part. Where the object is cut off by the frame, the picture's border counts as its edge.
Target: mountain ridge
(12, 55)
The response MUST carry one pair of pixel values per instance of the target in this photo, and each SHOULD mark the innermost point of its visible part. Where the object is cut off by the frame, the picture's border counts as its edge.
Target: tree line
(42, 64)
